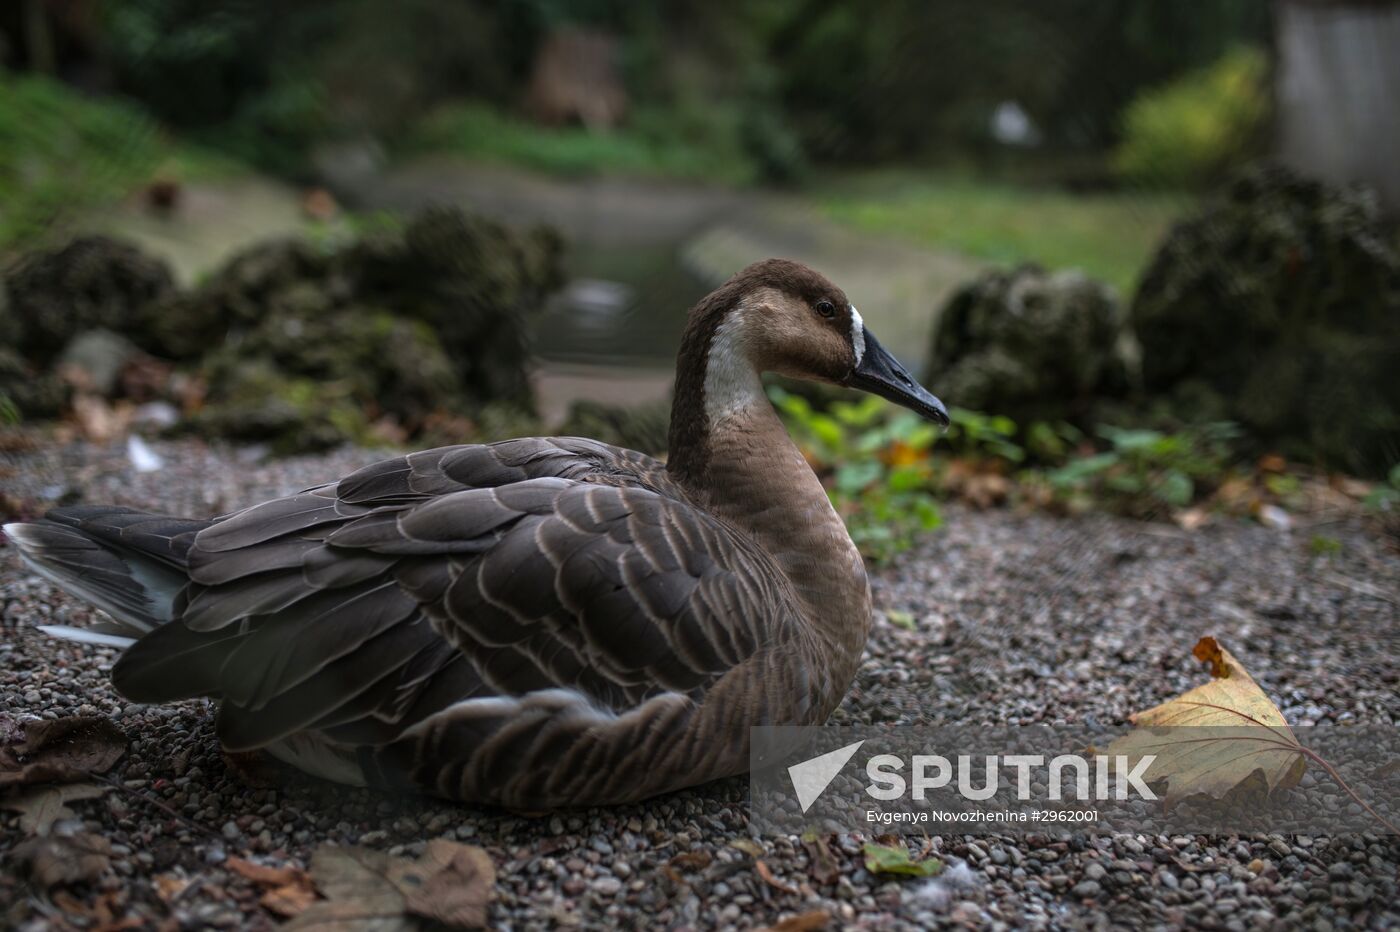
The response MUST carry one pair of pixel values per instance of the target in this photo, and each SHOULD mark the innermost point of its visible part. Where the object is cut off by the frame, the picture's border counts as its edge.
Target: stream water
(624, 306)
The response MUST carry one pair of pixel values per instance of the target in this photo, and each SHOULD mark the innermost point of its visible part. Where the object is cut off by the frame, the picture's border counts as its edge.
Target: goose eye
(826, 309)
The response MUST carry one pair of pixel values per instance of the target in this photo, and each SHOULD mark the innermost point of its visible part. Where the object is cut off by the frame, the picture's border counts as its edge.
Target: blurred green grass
(651, 145)
(63, 154)
(1109, 235)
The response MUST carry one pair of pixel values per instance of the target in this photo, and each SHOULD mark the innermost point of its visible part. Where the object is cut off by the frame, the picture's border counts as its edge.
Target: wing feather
(502, 574)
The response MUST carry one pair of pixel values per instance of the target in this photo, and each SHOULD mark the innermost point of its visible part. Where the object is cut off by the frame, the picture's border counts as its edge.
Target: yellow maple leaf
(1222, 737)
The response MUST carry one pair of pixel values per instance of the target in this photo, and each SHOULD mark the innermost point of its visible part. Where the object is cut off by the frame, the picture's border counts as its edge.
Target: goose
(532, 624)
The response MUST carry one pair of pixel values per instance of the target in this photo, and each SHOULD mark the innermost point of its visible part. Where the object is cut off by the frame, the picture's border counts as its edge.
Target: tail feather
(128, 563)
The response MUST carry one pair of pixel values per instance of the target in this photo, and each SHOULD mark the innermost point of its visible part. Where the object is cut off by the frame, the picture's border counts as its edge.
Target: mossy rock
(366, 357)
(475, 282)
(38, 394)
(256, 402)
(267, 280)
(91, 282)
(1278, 305)
(411, 326)
(1031, 345)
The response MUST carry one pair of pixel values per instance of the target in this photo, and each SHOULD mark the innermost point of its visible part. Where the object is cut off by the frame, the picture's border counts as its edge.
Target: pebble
(1042, 619)
(1087, 889)
(608, 886)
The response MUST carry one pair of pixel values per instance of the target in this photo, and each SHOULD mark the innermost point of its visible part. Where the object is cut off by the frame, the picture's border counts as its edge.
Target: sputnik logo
(811, 777)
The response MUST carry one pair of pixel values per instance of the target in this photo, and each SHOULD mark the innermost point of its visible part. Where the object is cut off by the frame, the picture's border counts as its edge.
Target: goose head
(782, 316)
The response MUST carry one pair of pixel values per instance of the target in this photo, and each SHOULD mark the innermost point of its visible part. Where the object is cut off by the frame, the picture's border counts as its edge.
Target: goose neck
(732, 454)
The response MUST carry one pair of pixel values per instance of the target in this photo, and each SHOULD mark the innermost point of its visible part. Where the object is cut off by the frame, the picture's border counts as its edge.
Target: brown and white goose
(535, 623)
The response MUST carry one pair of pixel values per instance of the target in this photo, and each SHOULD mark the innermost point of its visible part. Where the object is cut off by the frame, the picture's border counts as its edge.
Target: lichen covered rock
(92, 282)
(268, 280)
(35, 392)
(400, 326)
(361, 363)
(254, 401)
(430, 318)
(1031, 345)
(474, 282)
(1278, 306)
(299, 345)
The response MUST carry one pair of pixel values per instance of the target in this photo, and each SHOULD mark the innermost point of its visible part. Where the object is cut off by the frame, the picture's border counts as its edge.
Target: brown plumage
(534, 623)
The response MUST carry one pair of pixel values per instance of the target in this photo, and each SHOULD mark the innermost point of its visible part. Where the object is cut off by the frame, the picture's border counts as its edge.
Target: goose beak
(881, 374)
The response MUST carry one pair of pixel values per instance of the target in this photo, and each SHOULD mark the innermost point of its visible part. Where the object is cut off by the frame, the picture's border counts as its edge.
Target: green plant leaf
(1076, 471)
(905, 478)
(853, 477)
(926, 509)
(900, 619)
(1176, 488)
(1130, 441)
(887, 859)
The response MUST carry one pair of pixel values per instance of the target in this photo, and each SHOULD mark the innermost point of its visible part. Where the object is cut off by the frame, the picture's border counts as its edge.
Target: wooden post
(1335, 87)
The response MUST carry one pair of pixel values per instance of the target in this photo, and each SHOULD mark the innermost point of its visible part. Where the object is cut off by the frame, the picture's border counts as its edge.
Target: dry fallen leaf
(370, 891)
(100, 912)
(61, 750)
(170, 886)
(359, 894)
(62, 859)
(287, 890)
(824, 867)
(265, 876)
(451, 884)
(41, 806)
(766, 873)
(1192, 519)
(288, 901)
(1249, 744)
(802, 922)
(692, 860)
(747, 845)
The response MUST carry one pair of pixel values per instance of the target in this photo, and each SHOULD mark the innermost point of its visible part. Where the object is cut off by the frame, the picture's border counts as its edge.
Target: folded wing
(526, 568)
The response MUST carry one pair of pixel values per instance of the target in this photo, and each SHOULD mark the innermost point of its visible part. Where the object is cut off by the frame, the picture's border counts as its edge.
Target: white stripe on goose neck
(732, 386)
(857, 334)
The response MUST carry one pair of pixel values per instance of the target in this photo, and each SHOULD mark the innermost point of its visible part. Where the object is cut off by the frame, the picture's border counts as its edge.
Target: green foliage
(1191, 131)
(656, 144)
(9, 411)
(1110, 236)
(874, 462)
(63, 153)
(895, 859)
(1147, 472)
(972, 433)
(900, 79)
(1322, 546)
(1385, 498)
(879, 466)
(883, 79)
(901, 619)
(188, 60)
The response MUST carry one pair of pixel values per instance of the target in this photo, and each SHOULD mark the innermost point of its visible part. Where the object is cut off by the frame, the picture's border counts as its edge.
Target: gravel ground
(1018, 619)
